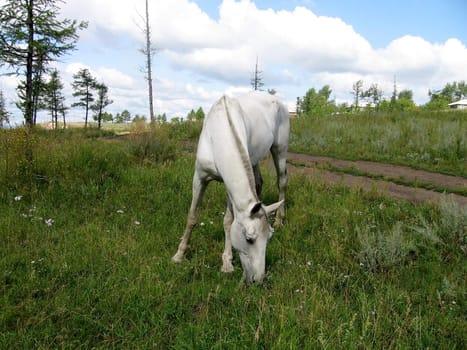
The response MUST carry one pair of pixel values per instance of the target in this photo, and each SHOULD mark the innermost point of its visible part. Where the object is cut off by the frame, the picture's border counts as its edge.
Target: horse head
(250, 233)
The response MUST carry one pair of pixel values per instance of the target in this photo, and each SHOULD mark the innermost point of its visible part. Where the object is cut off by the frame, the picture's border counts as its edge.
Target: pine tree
(83, 86)
(54, 100)
(102, 101)
(257, 80)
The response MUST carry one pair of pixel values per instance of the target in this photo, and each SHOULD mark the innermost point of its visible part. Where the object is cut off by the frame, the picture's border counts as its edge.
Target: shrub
(453, 224)
(379, 251)
(153, 146)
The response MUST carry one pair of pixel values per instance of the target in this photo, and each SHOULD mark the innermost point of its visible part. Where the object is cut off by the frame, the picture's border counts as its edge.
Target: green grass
(433, 141)
(85, 259)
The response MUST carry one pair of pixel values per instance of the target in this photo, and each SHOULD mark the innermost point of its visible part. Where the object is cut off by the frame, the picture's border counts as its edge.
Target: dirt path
(307, 164)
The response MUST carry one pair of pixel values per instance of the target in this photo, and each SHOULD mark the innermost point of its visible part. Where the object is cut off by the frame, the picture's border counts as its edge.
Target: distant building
(462, 104)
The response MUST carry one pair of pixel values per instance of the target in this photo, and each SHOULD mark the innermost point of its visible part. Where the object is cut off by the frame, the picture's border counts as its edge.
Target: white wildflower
(120, 211)
(49, 222)
(137, 223)
(18, 198)
(202, 224)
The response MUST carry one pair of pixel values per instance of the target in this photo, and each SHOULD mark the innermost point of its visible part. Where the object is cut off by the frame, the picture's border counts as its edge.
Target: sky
(207, 48)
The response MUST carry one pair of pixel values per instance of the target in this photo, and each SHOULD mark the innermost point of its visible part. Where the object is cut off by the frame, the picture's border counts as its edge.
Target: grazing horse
(237, 134)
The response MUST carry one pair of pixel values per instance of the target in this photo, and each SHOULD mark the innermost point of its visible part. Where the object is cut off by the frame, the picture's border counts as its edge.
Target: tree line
(126, 117)
(319, 102)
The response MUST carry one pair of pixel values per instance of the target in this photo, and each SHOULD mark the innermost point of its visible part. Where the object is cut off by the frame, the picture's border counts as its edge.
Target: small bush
(449, 230)
(380, 252)
(153, 146)
(453, 224)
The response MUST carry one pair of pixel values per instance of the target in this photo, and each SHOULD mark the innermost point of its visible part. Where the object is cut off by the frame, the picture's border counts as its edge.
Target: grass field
(433, 141)
(87, 233)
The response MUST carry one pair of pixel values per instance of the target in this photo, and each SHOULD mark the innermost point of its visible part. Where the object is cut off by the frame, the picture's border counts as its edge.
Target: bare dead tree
(148, 51)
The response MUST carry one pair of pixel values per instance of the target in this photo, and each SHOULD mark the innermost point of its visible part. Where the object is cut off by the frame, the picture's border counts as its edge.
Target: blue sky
(209, 47)
(378, 21)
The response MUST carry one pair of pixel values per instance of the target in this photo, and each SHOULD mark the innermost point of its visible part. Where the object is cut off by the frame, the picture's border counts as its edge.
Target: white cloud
(114, 78)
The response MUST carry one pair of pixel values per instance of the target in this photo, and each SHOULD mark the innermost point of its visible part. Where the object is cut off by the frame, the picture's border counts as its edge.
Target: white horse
(237, 134)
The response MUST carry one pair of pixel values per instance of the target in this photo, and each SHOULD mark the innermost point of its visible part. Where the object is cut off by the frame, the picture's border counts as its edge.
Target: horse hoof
(177, 258)
(227, 268)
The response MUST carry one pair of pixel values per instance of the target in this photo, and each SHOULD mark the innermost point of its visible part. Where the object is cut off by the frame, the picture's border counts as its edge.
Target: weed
(381, 252)
(152, 146)
(453, 224)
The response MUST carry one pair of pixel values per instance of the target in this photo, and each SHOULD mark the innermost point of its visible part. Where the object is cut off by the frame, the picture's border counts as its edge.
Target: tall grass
(435, 141)
(85, 261)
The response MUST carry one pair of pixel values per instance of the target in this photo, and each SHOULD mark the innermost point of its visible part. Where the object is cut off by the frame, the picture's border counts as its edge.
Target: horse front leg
(227, 257)
(199, 186)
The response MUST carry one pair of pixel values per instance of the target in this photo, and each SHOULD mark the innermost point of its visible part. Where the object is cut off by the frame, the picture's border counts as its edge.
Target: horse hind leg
(280, 162)
(258, 180)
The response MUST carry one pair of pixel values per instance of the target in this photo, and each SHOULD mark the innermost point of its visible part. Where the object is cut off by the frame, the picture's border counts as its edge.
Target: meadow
(432, 141)
(88, 229)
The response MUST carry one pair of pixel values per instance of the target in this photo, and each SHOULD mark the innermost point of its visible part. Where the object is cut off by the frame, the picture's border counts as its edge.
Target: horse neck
(237, 174)
(237, 171)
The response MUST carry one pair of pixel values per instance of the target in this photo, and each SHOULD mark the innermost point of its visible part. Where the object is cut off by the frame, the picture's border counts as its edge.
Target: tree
(316, 102)
(82, 85)
(405, 100)
(107, 117)
(123, 117)
(54, 100)
(374, 95)
(31, 36)
(148, 51)
(450, 93)
(357, 93)
(161, 118)
(102, 102)
(38, 89)
(139, 119)
(4, 114)
(199, 115)
(402, 102)
(257, 79)
(191, 115)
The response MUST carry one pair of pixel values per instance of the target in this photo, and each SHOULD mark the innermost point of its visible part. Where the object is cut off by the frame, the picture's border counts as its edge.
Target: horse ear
(256, 208)
(273, 207)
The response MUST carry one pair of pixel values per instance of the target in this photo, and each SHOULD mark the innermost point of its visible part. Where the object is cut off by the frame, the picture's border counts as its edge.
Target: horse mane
(241, 148)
